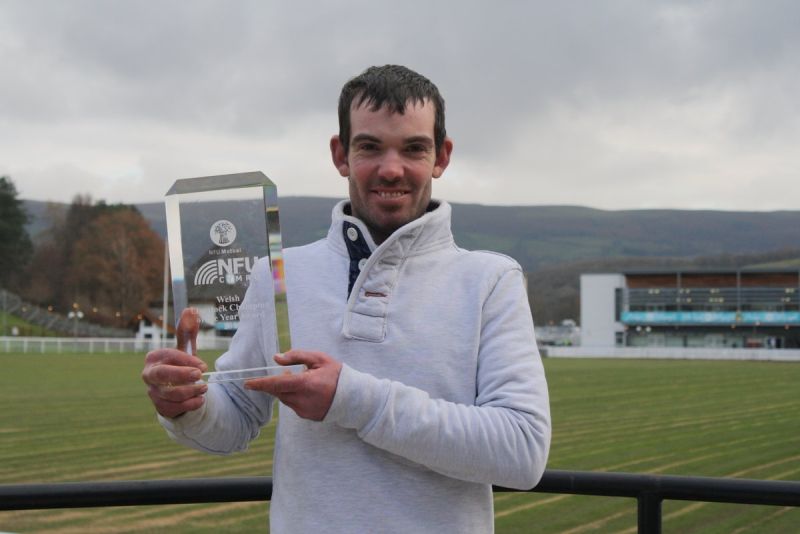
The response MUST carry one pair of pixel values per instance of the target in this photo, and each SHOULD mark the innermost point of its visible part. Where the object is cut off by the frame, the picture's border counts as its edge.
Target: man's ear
(339, 157)
(443, 157)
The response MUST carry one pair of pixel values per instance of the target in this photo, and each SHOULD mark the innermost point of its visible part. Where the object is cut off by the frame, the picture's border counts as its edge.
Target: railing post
(649, 512)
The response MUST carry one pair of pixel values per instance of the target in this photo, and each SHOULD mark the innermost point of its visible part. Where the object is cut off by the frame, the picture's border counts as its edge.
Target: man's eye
(417, 148)
(367, 147)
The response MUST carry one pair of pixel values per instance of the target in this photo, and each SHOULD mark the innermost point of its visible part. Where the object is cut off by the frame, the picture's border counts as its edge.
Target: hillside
(555, 243)
(538, 236)
(546, 235)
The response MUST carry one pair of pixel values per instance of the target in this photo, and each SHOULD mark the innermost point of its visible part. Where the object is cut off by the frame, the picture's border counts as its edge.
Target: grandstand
(48, 320)
(721, 308)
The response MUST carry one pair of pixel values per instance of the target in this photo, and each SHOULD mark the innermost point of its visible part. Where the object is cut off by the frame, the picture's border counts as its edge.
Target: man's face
(390, 166)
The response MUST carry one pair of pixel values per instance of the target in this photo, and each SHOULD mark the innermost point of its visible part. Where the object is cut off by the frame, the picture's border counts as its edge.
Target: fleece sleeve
(232, 416)
(504, 438)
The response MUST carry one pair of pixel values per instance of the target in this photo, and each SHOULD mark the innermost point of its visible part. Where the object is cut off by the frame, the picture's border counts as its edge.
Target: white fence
(674, 353)
(59, 345)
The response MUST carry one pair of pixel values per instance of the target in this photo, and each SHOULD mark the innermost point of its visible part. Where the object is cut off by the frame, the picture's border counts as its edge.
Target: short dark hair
(393, 86)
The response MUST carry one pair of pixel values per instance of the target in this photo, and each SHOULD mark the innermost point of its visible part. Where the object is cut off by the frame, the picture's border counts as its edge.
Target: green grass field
(86, 417)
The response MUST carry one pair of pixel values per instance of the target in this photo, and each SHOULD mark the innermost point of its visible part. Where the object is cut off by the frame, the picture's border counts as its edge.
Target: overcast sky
(609, 104)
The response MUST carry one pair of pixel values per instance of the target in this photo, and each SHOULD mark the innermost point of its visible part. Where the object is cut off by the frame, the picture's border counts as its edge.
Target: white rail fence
(674, 353)
(61, 345)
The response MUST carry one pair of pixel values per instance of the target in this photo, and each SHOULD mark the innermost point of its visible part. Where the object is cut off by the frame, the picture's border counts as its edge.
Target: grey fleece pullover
(442, 392)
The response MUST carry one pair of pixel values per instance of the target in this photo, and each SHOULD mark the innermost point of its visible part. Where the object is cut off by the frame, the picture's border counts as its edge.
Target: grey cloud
(254, 69)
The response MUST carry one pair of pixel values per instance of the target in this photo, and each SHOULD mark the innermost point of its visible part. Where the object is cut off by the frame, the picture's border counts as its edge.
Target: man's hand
(310, 393)
(170, 375)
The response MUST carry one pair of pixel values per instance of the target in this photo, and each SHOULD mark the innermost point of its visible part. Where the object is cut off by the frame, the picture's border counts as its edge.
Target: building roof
(711, 270)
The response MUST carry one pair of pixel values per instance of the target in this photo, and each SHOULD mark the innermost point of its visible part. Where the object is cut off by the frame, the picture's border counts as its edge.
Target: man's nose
(391, 165)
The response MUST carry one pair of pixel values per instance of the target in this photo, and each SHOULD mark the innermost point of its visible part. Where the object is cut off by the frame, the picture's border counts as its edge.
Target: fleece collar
(374, 270)
(431, 231)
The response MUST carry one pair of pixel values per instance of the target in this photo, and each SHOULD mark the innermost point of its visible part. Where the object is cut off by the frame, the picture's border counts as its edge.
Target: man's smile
(388, 195)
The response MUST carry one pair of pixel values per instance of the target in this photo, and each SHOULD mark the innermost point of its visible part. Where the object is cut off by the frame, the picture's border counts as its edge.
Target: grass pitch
(86, 417)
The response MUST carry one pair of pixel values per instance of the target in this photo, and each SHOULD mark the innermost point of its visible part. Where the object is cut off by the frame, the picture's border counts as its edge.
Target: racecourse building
(755, 308)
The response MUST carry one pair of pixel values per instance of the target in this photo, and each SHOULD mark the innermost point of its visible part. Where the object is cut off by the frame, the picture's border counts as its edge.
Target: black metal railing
(649, 490)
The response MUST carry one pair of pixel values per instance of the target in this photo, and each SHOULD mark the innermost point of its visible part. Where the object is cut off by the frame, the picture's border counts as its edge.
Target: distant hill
(538, 236)
(555, 243)
(546, 235)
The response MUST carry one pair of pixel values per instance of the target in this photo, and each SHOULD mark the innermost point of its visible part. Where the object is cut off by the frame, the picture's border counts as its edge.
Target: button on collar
(357, 250)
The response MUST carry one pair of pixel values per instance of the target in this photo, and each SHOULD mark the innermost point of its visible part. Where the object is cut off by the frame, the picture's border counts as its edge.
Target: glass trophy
(218, 227)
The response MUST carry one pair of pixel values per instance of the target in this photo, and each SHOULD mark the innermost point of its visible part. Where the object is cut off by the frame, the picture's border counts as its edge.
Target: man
(424, 385)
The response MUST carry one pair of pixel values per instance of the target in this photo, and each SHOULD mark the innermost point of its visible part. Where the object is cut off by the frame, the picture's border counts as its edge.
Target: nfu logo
(223, 233)
(224, 271)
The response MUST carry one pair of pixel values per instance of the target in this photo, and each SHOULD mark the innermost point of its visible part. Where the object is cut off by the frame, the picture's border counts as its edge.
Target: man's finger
(178, 393)
(163, 375)
(188, 327)
(174, 357)
(294, 356)
(276, 385)
(169, 408)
